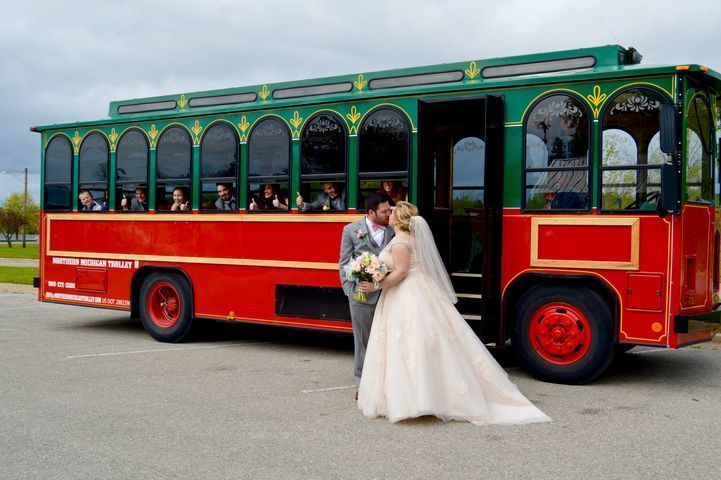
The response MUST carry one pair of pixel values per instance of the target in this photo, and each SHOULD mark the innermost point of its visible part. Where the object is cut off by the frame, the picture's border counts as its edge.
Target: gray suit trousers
(361, 315)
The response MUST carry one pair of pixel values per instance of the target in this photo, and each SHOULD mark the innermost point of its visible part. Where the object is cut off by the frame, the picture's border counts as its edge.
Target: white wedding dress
(424, 359)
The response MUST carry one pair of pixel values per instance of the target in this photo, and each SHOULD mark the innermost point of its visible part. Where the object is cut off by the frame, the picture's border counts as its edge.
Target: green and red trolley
(572, 195)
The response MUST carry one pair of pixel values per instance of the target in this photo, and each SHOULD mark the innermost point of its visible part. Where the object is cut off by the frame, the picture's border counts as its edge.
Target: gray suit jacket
(336, 204)
(351, 246)
(136, 206)
(221, 205)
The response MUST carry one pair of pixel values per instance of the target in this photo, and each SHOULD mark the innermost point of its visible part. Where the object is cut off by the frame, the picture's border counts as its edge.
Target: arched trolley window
(556, 168)
(269, 155)
(93, 163)
(699, 152)
(131, 170)
(384, 142)
(174, 160)
(219, 169)
(323, 165)
(631, 156)
(58, 175)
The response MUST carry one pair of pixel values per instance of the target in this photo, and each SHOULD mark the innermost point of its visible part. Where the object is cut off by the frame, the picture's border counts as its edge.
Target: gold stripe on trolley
(245, 262)
(217, 217)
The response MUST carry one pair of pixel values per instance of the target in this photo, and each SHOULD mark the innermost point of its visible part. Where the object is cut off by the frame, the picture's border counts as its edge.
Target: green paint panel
(593, 86)
(112, 181)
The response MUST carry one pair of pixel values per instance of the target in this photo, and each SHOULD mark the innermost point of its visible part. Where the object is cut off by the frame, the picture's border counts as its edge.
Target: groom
(369, 234)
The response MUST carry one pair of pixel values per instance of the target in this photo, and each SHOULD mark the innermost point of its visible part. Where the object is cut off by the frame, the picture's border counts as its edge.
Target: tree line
(13, 217)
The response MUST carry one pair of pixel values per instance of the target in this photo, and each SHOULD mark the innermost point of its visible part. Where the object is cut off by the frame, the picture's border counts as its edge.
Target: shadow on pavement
(641, 365)
(688, 366)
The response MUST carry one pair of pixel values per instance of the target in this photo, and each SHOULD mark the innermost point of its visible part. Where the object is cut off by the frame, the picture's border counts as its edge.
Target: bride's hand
(367, 287)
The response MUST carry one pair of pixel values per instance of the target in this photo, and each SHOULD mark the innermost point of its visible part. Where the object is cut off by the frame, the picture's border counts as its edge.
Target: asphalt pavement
(85, 393)
(18, 262)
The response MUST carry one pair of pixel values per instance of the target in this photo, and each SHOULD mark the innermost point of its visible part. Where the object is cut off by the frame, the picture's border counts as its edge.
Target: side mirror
(668, 134)
(669, 200)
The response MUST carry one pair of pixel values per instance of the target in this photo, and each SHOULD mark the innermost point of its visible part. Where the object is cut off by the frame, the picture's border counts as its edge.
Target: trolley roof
(495, 73)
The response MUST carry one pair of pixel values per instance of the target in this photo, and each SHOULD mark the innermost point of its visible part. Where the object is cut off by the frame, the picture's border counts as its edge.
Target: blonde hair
(403, 213)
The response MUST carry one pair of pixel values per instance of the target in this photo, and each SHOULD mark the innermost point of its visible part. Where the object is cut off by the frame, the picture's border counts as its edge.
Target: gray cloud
(64, 61)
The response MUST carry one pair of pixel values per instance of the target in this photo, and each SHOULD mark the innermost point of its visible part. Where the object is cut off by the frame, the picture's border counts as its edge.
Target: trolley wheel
(165, 307)
(563, 334)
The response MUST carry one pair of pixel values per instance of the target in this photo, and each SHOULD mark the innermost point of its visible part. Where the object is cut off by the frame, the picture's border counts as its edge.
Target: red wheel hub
(560, 333)
(164, 305)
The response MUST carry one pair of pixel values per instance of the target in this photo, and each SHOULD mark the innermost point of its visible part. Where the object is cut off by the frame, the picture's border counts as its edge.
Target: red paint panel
(91, 279)
(636, 326)
(584, 242)
(307, 242)
(241, 293)
(696, 268)
(645, 291)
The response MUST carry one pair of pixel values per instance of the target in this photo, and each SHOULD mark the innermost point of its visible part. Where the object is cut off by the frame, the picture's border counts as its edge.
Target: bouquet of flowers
(365, 268)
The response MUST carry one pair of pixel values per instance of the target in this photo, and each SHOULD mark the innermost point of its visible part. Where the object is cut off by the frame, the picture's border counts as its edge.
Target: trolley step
(467, 282)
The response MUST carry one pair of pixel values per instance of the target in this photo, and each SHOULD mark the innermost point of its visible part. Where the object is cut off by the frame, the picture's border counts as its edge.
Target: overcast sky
(66, 60)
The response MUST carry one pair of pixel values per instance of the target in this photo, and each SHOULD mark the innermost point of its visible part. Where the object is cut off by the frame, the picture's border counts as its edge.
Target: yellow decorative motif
(360, 83)
(153, 134)
(76, 141)
(264, 92)
(182, 101)
(113, 137)
(353, 116)
(296, 121)
(196, 131)
(596, 100)
(472, 71)
(243, 125)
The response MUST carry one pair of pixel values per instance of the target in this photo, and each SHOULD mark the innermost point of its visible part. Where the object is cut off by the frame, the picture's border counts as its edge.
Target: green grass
(21, 275)
(17, 251)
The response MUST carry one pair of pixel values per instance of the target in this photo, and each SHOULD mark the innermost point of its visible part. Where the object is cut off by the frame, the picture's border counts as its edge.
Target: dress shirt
(221, 204)
(93, 206)
(377, 233)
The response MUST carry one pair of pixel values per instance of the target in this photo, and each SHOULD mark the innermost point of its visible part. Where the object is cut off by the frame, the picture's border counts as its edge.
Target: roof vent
(629, 56)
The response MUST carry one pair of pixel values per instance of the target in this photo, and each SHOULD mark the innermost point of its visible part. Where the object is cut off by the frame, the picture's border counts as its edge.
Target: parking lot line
(156, 350)
(329, 389)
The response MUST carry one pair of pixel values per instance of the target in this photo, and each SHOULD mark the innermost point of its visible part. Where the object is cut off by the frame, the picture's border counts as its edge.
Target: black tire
(166, 307)
(585, 315)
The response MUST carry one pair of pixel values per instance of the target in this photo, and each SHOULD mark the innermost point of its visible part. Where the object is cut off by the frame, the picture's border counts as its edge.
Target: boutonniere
(326, 206)
(362, 235)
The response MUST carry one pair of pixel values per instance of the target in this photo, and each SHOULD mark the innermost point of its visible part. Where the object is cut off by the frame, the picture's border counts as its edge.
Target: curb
(17, 288)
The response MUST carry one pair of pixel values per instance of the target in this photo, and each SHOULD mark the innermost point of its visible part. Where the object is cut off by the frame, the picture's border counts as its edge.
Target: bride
(422, 357)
